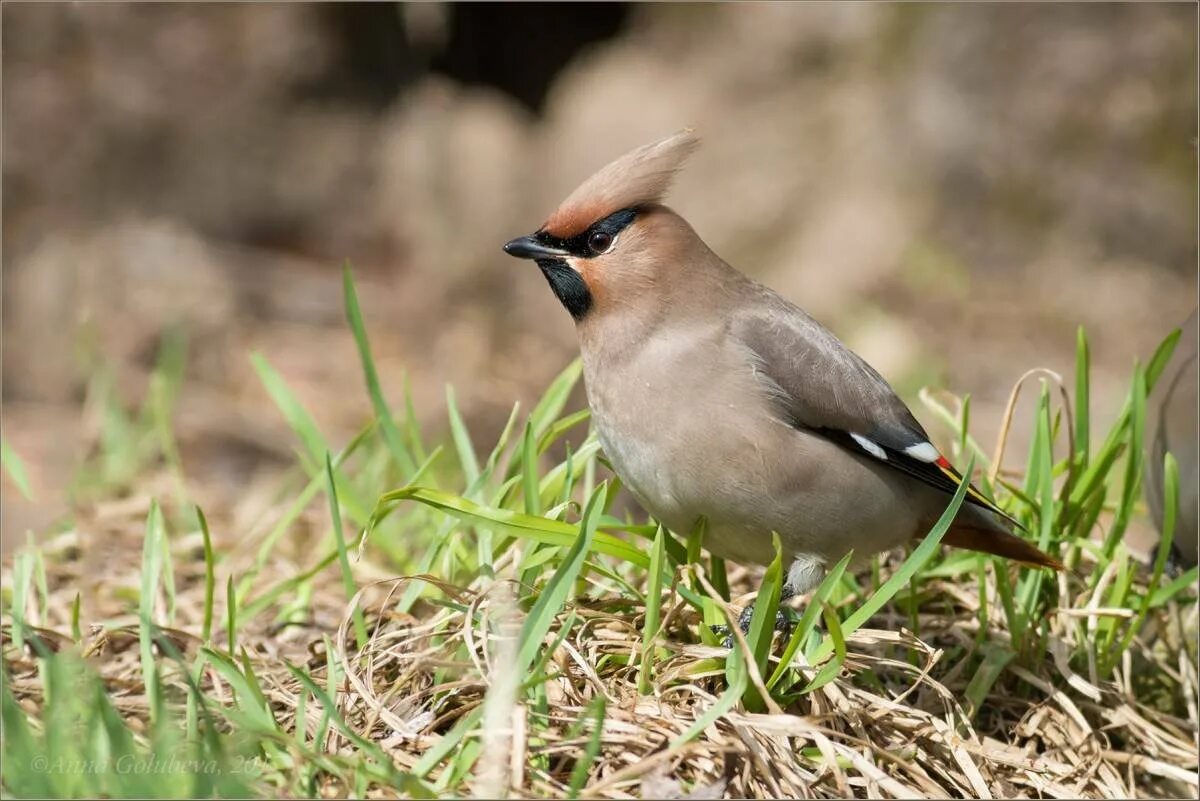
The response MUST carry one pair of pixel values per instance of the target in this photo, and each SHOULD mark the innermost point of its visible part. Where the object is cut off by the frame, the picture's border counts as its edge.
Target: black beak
(527, 247)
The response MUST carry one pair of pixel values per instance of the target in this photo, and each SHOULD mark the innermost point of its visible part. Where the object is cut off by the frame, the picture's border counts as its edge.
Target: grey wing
(819, 384)
(816, 381)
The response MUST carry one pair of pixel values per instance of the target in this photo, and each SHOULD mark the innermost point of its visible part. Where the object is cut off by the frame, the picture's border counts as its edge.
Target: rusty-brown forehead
(638, 178)
(570, 221)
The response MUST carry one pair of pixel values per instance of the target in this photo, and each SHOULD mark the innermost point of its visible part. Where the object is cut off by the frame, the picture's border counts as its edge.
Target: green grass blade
(957, 422)
(39, 575)
(297, 507)
(22, 585)
(551, 404)
(383, 765)
(1170, 512)
(231, 616)
(255, 687)
(462, 439)
(493, 459)
(1162, 355)
(564, 497)
(165, 382)
(1041, 487)
(720, 579)
(152, 558)
(653, 601)
(762, 623)
(727, 701)
(964, 424)
(538, 529)
(391, 434)
(76, 628)
(1092, 482)
(297, 417)
(537, 674)
(351, 589)
(529, 476)
(995, 660)
(210, 578)
(560, 427)
(168, 579)
(447, 742)
(808, 621)
(249, 697)
(260, 602)
(412, 428)
(837, 638)
(901, 577)
(1174, 587)
(710, 614)
(1083, 382)
(1133, 464)
(579, 773)
(15, 467)
(469, 462)
(21, 749)
(554, 483)
(555, 593)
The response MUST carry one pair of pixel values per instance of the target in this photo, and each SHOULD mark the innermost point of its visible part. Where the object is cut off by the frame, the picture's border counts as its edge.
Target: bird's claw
(783, 624)
(1175, 564)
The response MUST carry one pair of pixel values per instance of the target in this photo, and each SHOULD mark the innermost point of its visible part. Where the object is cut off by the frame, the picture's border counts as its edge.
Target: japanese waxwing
(715, 397)
(1171, 426)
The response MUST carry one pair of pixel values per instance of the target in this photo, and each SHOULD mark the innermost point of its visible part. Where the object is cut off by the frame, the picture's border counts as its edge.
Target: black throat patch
(568, 286)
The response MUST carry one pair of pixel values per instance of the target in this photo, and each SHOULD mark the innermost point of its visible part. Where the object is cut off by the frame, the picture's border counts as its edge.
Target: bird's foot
(1175, 564)
(783, 624)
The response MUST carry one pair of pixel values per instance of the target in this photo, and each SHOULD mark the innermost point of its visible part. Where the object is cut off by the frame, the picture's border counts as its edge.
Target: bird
(1171, 426)
(715, 398)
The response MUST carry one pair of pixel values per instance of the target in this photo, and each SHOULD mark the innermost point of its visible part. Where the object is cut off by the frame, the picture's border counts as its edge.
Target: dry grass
(892, 724)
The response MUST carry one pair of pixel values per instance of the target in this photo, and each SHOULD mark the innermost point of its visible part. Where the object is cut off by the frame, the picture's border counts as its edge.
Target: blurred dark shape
(1171, 426)
(382, 48)
(374, 59)
(519, 48)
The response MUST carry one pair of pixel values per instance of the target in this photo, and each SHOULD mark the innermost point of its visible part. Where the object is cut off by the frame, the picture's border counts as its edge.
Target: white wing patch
(869, 446)
(922, 451)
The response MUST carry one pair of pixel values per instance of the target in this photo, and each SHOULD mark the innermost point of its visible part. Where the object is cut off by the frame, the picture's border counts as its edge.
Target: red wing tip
(942, 461)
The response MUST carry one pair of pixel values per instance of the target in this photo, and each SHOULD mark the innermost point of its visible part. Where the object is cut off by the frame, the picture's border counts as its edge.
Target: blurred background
(953, 189)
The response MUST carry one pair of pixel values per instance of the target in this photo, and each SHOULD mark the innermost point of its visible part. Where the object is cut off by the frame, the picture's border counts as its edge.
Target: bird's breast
(677, 418)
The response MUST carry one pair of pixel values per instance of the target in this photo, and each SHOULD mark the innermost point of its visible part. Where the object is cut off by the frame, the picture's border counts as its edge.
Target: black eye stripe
(577, 245)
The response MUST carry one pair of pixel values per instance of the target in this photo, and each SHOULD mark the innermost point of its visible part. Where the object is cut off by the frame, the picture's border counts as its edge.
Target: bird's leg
(804, 574)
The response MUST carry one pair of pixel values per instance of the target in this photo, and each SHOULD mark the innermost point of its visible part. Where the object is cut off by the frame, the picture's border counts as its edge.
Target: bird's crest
(638, 178)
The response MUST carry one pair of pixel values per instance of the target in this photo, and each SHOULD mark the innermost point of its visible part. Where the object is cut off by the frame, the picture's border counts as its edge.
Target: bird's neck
(619, 325)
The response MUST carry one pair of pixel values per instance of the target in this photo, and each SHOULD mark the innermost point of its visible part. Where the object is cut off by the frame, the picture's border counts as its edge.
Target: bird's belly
(685, 455)
(645, 468)
(678, 490)
(758, 481)
(705, 442)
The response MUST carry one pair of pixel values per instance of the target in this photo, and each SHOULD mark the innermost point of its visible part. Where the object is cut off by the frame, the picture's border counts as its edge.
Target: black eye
(599, 241)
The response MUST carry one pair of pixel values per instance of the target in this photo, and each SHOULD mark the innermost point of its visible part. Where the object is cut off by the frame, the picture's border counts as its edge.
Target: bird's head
(610, 234)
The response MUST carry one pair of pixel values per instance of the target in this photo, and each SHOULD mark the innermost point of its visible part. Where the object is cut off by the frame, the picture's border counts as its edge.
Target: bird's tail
(993, 540)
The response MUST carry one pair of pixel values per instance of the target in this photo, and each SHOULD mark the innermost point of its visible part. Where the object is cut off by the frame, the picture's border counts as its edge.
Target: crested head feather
(638, 178)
